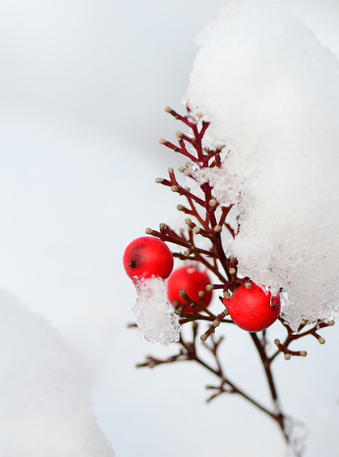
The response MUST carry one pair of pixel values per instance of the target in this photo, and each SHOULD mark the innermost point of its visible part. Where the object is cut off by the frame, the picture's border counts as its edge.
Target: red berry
(193, 281)
(252, 309)
(146, 257)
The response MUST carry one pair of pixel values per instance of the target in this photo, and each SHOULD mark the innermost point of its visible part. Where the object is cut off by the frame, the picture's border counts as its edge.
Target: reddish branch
(224, 268)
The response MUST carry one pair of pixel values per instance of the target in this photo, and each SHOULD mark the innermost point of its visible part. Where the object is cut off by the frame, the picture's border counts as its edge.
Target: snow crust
(155, 320)
(45, 391)
(271, 93)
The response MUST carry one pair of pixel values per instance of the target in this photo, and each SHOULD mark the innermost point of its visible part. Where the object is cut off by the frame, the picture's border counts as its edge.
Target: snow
(155, 321)
(45, 390)
(271, 93)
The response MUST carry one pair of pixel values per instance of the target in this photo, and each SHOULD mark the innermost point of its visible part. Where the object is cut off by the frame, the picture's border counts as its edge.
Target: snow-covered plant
(260, 141)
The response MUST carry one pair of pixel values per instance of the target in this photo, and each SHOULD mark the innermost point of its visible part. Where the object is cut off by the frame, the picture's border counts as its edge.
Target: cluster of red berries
(250, 307)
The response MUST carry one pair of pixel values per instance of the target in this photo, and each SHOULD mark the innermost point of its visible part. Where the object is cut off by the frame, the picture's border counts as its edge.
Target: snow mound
(271, 93)
(45, 391)
(155, 320)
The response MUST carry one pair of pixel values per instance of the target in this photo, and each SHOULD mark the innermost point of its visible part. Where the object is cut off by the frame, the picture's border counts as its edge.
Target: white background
(83, 85)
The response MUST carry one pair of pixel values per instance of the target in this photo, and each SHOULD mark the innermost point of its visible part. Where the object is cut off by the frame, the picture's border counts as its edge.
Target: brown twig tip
(187, 253)
(227, 295)
(277, 342)
(187, 164)
(170, 170)
(179, 134)
(187, 172)
(203, 337)
(248, 285)
(287, 356)
(188, 221)
(321, 340)
(163, 226)
(162, 141)
(330, 323)
(182, 293)
(180, 208)
(303, 353)
(168, 109)
(196, 229)
(209, 287)
(217, 228)
(148, 231)
(212, 202)
(201, 294)
(159, 180)
(181, 169)
(174, 188)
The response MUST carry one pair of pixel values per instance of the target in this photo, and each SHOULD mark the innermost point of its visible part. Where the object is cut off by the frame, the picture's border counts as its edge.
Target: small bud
(148, 231)
(330, 323)
(277, 342)
(321, 340)
(217, 228)
(203, 337)
(248, 285)
(159, 180)
(201, 293)
(287, 356)
(181, 169)
(196, 229)
(212, 202)
(168, 109)
(187, 164)
(170, 170)
(179, 134)
(162, 226)
(227, 295)
(188, 221)
(182, 293)
(174, 188)
(233, 271)
(303, 353)
(187, 253)
(232, 259)
(187, 173)
(180, 207)
(162, 141)
(209, 287)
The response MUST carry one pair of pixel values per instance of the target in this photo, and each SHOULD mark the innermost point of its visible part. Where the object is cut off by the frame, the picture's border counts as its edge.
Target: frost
(271, 93)
(156, 322)
(45, 391)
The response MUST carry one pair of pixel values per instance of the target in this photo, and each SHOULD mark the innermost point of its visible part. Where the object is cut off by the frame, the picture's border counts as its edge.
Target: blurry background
(83, 86)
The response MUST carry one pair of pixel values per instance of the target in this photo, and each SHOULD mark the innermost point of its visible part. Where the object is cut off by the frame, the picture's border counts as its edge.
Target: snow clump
(271, 93)
(45, 391)
(155, 320)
